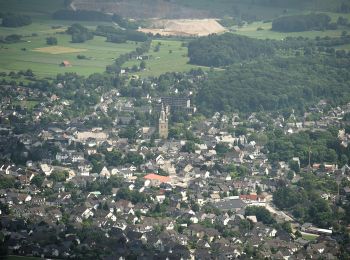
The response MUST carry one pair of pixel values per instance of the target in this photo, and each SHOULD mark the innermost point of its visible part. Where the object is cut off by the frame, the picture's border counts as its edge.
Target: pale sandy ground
(184, 27)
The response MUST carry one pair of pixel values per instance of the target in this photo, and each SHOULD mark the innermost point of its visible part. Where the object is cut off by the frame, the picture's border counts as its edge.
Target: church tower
(163, 123)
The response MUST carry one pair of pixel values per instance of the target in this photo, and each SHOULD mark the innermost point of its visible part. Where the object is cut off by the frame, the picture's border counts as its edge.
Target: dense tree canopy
(79, 33)
(51, 41)
(225, 49)
(276, 84)
(261, 213)
(81, 15)
(15, 20)
(120, 36)
(305, 202)
(299, 23)
(323, 147)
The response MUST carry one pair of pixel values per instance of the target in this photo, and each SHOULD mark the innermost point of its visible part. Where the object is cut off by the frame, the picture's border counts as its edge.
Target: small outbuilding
(65, 63)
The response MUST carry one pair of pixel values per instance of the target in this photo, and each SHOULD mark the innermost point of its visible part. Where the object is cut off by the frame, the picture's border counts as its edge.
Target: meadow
(262, 30)
(27, 55)
(30, 55)
(172, 56)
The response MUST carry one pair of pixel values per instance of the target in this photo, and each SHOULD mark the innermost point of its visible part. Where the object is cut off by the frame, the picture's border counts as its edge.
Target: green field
(13, 57)
(251, 30)
(99, 54)
(170, 57)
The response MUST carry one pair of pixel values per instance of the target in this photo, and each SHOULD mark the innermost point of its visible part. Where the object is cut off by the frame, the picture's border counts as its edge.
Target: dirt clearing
(184, 27)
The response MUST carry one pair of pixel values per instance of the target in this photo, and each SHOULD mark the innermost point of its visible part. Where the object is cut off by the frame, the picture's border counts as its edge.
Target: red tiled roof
(156, 177)
(251, 197)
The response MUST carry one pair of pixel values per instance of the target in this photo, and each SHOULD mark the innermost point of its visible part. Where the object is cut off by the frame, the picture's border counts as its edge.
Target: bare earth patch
(58, 50)
(184, 27)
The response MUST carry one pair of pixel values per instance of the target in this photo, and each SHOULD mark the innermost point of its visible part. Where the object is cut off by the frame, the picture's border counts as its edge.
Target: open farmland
(58, 50)
(44, 61)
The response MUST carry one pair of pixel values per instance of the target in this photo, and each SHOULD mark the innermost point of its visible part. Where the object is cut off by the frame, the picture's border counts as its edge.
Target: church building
(163, 127)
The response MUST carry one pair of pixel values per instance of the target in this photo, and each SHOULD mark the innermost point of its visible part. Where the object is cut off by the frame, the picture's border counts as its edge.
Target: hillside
(143, 9)
(171, 9)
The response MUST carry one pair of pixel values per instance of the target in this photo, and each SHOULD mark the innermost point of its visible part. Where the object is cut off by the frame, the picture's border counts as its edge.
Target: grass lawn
(170, 57)
(308, 236)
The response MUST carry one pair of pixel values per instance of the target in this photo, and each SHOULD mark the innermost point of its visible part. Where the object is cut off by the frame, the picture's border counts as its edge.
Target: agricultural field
(45, 60)
(172, 56)
(262, 30)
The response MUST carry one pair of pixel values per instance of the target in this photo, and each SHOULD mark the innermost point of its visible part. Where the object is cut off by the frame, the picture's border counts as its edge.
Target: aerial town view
(174, 129)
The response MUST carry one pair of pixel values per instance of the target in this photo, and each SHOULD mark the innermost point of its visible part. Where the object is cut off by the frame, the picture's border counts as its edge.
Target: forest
(15, 20)
(279, 83)
(88, 15)
(299, 23)
(322, 146)
(81, 15)
(225, 49)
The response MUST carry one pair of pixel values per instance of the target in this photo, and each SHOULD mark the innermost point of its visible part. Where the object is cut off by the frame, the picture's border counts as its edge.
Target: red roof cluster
(156, 177)
(251, 197)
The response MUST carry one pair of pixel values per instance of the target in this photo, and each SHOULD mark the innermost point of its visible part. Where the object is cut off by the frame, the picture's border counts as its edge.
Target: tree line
(299, 23)
(88, 15)
(117, 65)
(15, 20)
(120, 36)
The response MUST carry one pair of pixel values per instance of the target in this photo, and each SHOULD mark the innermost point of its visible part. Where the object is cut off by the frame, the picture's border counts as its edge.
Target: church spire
(163, 122)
